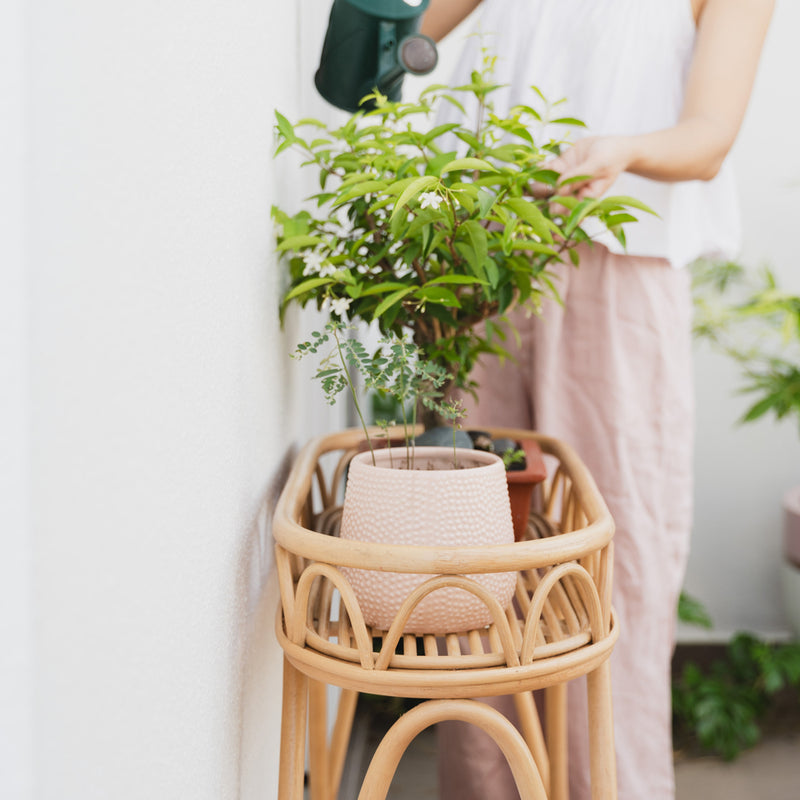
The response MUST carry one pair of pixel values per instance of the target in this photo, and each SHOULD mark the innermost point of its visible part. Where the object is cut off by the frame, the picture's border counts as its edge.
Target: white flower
(339, 305)
(327, 271)
(339, 230)
(401, 269)
(313, 260)
(430, 200)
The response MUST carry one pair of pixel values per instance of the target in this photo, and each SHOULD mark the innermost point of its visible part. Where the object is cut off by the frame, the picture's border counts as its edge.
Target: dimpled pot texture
(432, 505)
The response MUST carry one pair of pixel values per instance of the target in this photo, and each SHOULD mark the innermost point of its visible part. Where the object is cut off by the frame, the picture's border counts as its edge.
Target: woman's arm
(443, 15)
(730, 34)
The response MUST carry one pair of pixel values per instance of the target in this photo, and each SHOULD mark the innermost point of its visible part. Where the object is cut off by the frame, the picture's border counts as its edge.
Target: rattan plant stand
(560, 626)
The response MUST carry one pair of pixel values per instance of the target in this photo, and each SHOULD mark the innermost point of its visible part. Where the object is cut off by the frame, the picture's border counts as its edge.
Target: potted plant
(751, 319)
(414, 495)
(427, 230)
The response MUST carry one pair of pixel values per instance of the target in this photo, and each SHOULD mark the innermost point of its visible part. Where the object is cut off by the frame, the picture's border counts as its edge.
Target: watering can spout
(369, 45)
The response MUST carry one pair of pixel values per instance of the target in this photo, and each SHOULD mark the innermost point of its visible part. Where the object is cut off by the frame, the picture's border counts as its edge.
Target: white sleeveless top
(622, 67)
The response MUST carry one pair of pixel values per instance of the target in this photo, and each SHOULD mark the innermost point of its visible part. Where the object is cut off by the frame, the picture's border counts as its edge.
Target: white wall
(150, 393)
(741, 472)
(16, 722)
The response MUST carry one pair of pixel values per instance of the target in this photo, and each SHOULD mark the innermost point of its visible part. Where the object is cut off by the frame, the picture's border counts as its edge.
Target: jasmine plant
(430, 228)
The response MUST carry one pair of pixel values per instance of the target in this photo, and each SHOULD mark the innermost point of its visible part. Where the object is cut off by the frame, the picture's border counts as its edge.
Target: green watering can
(371, 44)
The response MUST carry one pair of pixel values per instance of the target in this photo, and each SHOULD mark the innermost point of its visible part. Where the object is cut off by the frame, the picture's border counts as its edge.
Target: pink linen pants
(609, 373)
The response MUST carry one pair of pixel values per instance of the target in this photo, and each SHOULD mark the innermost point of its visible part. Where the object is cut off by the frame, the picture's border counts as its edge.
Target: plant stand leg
(556, 724)
(318, 766)
(293, 733)
(602, 758)
(532, 731)
(341, 737)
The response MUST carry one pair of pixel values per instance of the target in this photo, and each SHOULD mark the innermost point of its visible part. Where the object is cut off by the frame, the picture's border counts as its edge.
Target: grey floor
(769, 771)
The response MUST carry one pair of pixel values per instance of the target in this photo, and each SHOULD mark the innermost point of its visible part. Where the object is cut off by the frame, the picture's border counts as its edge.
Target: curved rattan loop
(387, 757)
(341, 467)
(439, 582)
(283, 565)
(322, 485)
(329, 520)
(589, 597)
(297, 631)
(556, 483)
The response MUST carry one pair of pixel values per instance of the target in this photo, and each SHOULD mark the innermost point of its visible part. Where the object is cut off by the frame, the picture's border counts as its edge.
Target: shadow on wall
(256, 559)
(260, 658)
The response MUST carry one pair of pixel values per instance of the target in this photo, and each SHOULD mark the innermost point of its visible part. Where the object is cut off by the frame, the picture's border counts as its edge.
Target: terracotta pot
(521, 483)
(433, 505)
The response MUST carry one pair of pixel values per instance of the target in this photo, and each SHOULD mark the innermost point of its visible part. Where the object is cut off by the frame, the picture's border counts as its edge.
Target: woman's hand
(596, 162)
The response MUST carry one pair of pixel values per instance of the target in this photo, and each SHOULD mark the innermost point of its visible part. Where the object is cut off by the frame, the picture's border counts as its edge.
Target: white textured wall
(150, 395)
(741, 472)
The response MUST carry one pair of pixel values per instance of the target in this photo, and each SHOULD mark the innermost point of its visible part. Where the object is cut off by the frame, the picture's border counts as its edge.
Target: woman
(663, 86)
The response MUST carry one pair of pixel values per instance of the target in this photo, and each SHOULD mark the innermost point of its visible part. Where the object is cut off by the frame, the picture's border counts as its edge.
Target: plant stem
(409, 461)
(353, 394)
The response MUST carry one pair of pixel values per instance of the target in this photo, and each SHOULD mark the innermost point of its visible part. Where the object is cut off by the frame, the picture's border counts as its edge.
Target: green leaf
(568, 121)
(532, 247)
(437, 162)
(311, 121)
(761, 408)
(529, 213)
(284, 126)
(383, 288)
(416, 187)
(486, 200)
(619, 219)
(359, 190)
(478, 251)
(392, 300)
(477, 164)
(629, 202)
(468, 139)
(299, 242)
(306, 286)
(692, 611)
(440, 295)
(465, 280)
(436, 132)
(575, 179)
(492, 272)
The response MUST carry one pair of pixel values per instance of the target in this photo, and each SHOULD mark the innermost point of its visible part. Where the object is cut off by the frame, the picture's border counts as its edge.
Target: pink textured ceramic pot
(432, 505)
